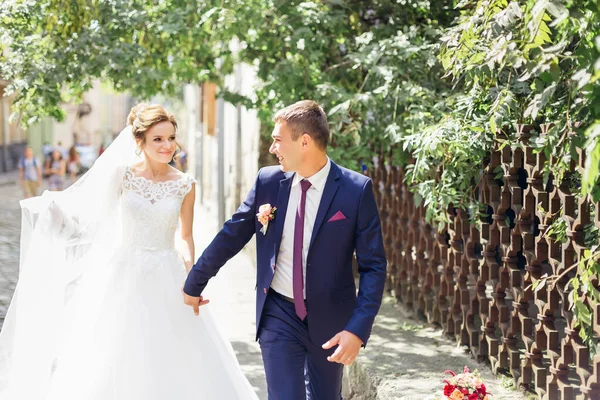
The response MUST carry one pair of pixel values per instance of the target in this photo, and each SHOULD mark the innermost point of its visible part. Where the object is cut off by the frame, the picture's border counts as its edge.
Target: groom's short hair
(306, 116)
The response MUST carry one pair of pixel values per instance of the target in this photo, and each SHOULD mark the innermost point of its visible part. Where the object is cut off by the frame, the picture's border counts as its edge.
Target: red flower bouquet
(465, 386)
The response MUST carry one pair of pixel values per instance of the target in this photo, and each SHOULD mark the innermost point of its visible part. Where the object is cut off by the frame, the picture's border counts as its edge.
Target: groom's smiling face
(285, 148)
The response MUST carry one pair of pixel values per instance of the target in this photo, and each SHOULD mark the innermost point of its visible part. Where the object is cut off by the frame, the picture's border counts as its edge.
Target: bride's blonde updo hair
(144, 116)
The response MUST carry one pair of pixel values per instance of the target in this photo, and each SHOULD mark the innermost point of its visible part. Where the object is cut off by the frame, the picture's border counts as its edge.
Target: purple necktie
(297, 278)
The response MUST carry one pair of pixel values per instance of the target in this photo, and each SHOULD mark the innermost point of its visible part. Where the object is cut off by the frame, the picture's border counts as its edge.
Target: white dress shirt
(282, 280)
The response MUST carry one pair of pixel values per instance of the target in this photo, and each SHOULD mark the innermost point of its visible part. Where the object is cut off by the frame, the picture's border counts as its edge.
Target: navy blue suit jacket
(331, 299)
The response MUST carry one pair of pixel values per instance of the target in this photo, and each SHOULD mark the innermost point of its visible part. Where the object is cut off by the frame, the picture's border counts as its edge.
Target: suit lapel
(331, 187)
(283, 197)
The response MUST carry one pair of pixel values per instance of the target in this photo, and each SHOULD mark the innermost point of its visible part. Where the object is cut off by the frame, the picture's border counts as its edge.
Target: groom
(313, 217)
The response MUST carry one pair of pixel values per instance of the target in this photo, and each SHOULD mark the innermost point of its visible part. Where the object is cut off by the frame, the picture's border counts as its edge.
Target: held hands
(348, 347)
(194, 302)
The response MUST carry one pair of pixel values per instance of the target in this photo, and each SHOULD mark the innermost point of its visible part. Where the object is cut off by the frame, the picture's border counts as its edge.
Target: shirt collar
(318, 180)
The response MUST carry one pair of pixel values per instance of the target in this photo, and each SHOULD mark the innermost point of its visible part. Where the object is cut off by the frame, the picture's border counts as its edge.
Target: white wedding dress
(127, 334)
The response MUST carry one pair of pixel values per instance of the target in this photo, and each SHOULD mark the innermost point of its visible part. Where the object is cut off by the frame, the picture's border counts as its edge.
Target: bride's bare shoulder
(135, 168)
(175, 174)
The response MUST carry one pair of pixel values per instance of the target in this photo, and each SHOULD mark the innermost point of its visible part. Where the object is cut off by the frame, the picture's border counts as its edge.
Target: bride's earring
(138, 151)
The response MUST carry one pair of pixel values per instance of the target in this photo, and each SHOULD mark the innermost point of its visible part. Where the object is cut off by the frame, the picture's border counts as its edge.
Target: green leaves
(55, 49)
(446, 166)
(539, 32)
(539, 101)
(415, 78)
(584, 295)
(558, 231)
(591, 176)
(532, 63)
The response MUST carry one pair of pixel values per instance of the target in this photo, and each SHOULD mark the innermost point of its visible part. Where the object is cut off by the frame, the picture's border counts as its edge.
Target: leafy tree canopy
(433, 85)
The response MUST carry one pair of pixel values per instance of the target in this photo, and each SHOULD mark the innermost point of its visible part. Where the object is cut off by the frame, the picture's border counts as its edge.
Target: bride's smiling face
(160, 142)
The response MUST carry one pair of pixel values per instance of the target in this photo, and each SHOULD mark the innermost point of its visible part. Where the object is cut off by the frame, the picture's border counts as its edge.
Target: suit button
(265, 290)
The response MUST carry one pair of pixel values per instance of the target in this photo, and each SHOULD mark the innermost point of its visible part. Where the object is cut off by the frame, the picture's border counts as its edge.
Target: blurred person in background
(73, 163)
(63, 151)
(30, 173)
(46, 149)
(46, 156)
(55, 170)
(183, 159)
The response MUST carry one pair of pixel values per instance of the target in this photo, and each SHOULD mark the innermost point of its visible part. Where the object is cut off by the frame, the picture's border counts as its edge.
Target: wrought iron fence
(475, 279)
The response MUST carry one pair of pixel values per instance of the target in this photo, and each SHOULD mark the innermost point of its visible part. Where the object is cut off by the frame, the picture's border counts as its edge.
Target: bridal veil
(64, 237)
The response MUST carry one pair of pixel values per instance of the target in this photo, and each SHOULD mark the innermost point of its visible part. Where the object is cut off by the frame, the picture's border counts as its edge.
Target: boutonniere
(265, 214)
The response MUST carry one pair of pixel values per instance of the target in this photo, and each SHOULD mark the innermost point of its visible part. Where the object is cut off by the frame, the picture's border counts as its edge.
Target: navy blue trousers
(296, 368)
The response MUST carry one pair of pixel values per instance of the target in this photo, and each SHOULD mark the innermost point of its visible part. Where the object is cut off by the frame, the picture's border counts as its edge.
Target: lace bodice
(151, 210)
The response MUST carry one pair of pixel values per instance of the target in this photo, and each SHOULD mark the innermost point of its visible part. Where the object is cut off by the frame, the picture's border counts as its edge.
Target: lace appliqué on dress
(156, 191)
(151, 210)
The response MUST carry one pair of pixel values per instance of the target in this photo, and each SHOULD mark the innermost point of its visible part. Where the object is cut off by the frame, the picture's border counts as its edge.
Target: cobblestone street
(10, 230)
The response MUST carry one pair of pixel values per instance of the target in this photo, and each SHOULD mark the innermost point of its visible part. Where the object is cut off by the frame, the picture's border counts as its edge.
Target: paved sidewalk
(10, 231)
(9, 178)
(405, 360)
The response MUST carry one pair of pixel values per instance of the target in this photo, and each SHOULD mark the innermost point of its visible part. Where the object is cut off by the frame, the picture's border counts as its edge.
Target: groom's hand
(194, 302)
(348, 347)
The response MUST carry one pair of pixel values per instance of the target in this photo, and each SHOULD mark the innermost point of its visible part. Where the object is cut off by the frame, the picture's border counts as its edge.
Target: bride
(97, 313)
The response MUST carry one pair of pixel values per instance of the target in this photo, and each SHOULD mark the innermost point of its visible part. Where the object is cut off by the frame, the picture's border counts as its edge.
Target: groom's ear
(305, 139)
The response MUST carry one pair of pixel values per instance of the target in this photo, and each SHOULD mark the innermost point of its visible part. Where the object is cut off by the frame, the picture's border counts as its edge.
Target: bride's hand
(194, 302)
